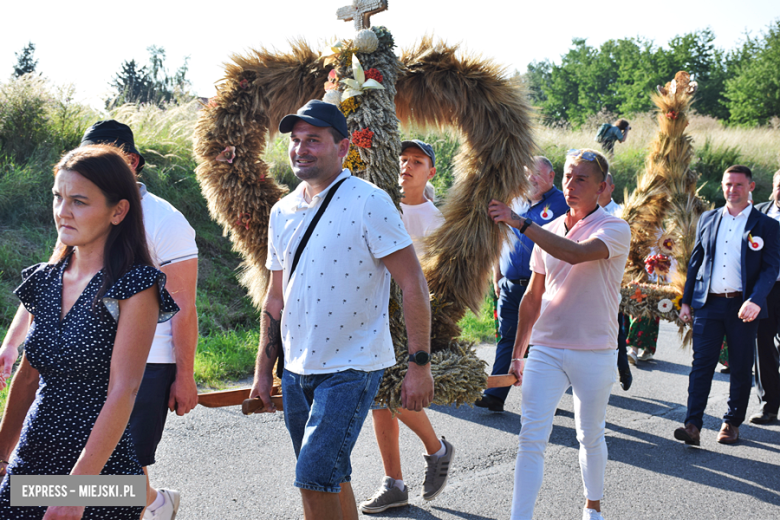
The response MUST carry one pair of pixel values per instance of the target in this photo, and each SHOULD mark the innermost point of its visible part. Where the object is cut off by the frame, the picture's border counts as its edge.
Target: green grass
(479, 328)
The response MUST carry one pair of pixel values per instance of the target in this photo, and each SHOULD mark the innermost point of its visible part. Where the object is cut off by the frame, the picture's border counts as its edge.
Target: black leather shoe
(763, 418)
(494, 404)
(626, 379)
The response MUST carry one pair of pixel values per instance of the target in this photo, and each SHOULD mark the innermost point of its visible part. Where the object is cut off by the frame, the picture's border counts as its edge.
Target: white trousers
(548, 373)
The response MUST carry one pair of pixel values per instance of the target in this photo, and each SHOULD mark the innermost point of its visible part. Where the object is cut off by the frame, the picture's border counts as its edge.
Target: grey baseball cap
(425, 147)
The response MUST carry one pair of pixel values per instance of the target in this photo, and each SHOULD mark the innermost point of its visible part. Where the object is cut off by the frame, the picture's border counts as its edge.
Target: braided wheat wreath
(430, 85)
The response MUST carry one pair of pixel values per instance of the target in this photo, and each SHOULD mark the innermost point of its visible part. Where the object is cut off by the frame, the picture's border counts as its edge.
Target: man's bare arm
(417, 390)
(15, 336)
(530, 308)
(559, 247)
(182, 283)
(270, 341)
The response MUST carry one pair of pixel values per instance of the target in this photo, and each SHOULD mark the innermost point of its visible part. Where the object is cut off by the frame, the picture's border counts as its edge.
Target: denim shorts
(324, 414)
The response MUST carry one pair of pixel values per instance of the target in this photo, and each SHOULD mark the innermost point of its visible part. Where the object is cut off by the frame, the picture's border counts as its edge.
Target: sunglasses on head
(587, 155)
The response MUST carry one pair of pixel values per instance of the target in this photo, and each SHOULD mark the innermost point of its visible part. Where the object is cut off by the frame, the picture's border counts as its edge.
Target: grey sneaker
(436, 471)
(388, 496)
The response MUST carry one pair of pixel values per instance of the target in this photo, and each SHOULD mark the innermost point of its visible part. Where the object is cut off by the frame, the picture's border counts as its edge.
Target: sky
(85, 42)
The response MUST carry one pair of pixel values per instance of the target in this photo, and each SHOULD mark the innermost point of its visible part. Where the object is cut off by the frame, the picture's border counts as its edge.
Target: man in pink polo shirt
(568, 315)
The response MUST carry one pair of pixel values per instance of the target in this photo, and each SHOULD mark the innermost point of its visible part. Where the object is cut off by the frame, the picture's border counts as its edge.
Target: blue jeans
(709, 328)
(324, 414)
(508, 308)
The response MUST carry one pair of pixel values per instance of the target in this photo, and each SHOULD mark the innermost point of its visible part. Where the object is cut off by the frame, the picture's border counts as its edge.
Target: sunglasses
(588, 156)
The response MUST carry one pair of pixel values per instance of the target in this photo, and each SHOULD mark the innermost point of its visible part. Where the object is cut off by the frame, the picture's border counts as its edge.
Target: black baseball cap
(112, 132)
(316, 113)
(425, 147)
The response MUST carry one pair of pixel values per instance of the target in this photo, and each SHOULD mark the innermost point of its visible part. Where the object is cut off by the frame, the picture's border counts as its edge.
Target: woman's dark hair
(622, 124)
(105, 166)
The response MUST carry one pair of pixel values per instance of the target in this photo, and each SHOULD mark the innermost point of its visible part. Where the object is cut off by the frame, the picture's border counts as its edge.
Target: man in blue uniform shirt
(511, 275)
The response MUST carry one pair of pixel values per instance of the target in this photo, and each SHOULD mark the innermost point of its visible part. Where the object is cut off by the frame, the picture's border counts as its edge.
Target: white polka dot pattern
(73, 357)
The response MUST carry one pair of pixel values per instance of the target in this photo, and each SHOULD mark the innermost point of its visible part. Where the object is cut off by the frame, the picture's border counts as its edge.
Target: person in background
(421, 218)
(512, 273)
(768, 339)
(728, 297)
(608, 135)
(615, 209)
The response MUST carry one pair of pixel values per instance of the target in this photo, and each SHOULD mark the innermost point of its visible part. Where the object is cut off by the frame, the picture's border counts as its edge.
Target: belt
(726, 294)
(519, 281)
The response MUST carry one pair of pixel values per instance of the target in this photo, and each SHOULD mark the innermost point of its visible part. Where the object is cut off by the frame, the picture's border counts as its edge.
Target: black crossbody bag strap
(312, 225)
(301, 247)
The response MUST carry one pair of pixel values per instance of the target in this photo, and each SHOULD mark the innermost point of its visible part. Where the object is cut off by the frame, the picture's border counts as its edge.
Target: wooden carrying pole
(240, 396)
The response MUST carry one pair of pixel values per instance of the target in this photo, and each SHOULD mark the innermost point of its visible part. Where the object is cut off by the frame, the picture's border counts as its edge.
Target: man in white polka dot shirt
(329, 312)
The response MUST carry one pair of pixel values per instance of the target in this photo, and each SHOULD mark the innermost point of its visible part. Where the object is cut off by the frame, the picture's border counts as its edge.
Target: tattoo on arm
(514, 216)
(274, 336)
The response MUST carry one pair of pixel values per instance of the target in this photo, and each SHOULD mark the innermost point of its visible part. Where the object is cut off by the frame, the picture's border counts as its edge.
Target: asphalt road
(229, 466)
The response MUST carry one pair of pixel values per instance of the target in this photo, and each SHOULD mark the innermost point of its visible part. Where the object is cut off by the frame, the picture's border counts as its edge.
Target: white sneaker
(632, 357)
(168, 510)
(646, 355)
(591, 514)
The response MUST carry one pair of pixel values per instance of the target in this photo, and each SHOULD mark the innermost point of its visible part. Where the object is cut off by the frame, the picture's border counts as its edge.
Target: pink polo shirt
(580, 302)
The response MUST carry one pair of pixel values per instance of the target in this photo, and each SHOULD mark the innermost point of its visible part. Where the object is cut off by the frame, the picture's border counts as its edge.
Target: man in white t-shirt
(421, 218)
(577, 266)
(169, 381)
(328, 309)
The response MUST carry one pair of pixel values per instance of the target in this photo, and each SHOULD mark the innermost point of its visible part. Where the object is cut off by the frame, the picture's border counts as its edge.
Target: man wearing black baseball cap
(169, 382)
(334, 243)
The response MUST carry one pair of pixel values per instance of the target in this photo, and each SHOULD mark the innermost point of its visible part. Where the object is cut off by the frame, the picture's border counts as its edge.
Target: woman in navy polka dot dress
(94, 308)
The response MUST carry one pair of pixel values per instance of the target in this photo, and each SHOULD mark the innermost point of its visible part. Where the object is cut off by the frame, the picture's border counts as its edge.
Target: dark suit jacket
(764, 207)
(759, 268)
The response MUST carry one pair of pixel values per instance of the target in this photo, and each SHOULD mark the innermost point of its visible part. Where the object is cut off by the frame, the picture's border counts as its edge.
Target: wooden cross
(360, 11)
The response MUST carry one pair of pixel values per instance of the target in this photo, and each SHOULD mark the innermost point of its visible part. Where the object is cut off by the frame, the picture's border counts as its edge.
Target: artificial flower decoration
(658, 264)
(671, 114)
(665, 305)
(362, 138)
(638, 296)
(244, 84)
(353, 162)
(227, 155)
(349, 106)
(356, 86)
(333, 97)
(243, 220)
(374, 74)
(547, 213)
(678, 302)
(330, 54)
(666, 244)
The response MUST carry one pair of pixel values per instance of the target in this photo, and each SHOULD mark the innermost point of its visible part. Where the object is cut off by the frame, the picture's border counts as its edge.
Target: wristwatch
(526, 224)
(420, 357)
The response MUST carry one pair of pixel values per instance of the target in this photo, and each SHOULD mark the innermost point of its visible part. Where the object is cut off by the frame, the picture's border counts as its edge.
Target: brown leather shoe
(728, 434)
(689, 434)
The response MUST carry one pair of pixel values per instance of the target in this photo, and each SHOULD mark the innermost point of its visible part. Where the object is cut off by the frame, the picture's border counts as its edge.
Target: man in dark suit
(768, 341)
(733, 267)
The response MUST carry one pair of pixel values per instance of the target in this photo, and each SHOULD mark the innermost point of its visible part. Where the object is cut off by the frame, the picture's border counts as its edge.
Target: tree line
(740, 86)
(134, 83)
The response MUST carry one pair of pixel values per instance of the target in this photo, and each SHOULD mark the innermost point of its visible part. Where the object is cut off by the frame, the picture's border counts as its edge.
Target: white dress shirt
(727, 266)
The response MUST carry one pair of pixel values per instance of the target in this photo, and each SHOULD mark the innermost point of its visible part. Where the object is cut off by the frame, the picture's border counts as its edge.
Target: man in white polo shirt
(577, 265)
(328, 310)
